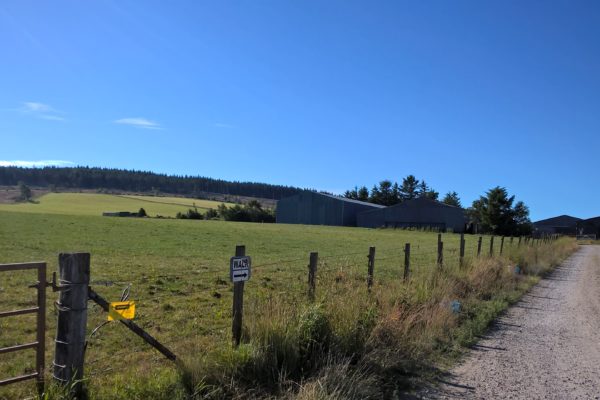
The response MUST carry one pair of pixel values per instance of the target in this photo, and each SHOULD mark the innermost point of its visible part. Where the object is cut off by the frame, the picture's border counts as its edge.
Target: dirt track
(547, 346)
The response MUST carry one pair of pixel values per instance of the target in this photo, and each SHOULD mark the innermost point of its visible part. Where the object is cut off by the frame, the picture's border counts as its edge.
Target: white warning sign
(239, 269)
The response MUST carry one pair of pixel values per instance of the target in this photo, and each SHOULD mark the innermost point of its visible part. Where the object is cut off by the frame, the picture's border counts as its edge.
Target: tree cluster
(388, 193)
(495, 213)
(250, 212)
(24, 192)
(138, 181)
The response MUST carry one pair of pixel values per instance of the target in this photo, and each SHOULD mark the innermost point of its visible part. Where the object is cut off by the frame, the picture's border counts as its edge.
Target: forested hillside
(138, 181)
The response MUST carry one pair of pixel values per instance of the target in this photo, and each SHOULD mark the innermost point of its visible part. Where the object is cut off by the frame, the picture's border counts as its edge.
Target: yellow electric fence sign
(121, 310)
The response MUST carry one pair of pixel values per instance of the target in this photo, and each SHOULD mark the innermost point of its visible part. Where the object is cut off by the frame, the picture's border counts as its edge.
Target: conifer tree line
(387, 193)
(138, 181)
(495, 212)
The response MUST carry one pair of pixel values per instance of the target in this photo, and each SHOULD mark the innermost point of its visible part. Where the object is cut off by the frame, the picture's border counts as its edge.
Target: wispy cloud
(223, 125)
(52, 117)
(41, 110)
(138, 123)
(34, 106)
(35, 164)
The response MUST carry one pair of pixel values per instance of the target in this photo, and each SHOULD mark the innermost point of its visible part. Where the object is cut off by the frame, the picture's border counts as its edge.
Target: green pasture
(96, 204)
(178, 274)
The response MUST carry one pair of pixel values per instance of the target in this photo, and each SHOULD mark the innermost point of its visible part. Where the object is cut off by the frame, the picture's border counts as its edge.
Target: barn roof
(419, 201)
(347, 200)
(339, 198)
(561, 220)
(593, 220)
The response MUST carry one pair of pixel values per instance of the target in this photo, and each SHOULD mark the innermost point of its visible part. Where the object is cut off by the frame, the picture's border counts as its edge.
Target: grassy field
(95, 204)
(178, 272)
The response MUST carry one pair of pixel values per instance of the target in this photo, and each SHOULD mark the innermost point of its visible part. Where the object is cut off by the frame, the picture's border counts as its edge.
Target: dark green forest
(138, 181)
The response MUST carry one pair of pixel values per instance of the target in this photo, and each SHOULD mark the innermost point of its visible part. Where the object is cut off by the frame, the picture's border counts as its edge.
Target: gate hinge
(56, 287)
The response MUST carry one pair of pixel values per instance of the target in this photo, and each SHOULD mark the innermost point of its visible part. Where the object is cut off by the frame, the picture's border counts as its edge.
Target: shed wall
(317, 209)
(415, 214)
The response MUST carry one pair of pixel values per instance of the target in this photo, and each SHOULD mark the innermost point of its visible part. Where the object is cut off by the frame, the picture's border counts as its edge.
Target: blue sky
(320, 94)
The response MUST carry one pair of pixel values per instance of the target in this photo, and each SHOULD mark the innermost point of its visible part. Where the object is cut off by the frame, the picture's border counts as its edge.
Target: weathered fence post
(440, 254)
(501, 245)
(519, 243)
(479, 246)
(406, 261)
(40, 357)
(74, 279)
(491, 246)
(370, 267)
(461, 256)
(312, 275)
(238, 302)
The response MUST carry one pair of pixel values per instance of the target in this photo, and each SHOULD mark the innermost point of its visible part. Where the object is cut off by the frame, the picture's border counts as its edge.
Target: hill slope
(96, 204)
(139, 181)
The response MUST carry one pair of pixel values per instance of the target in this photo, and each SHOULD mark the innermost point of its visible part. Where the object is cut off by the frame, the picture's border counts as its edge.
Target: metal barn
(563, 224)
(312, 208)
(589, 226)
(418, 213)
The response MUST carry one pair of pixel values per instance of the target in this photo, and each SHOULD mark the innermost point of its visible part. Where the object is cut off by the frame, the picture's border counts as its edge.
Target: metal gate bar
(40, 310)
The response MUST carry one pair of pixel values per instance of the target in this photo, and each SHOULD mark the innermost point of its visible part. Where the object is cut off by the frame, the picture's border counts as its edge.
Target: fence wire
(197, 300)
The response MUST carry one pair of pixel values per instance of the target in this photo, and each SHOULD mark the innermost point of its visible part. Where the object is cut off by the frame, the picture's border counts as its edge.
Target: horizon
(27, 165)
(466, 96)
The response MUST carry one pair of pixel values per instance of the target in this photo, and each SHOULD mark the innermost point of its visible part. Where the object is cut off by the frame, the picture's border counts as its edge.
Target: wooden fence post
(462, 249)
(40, 357)
(312, 275)
(74, 280)
(519, 243)
(238, 303)
(370, 267)
(440, 254)
(501, 245)
(479, 246)
(406, 261)
(491, 246)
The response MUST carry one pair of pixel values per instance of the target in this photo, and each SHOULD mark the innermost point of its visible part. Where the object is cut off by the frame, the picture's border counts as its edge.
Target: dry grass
(380, 341)
(354, 345)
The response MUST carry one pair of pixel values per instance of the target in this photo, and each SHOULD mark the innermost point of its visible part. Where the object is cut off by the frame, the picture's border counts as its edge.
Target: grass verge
(350, 344)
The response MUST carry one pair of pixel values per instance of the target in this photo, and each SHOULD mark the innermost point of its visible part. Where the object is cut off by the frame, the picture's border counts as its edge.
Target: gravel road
(547, 346)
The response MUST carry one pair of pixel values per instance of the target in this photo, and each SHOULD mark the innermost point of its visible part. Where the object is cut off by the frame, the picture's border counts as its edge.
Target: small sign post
(239, 272)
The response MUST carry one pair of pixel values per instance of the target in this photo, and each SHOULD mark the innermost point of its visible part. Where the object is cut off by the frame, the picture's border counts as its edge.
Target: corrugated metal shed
(563, 224)
(590, 226)
(417, 213)
(311, 208)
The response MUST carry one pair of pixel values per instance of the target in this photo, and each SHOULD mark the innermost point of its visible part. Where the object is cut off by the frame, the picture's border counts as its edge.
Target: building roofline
(341, 198)
(575, 219)
(417, 200)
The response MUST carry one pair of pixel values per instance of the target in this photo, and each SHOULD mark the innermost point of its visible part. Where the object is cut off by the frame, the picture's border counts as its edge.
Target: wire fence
(197, 301)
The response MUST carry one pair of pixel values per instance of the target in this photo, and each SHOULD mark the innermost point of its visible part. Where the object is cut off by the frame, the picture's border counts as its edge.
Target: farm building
(563, 224)
(312, 208)
(589, 226)
(418, 213)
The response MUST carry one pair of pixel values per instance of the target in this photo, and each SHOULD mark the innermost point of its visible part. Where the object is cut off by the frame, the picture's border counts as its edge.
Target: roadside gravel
(547, 346)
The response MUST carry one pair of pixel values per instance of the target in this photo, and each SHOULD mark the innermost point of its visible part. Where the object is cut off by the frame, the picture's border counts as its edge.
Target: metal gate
(39, 345)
